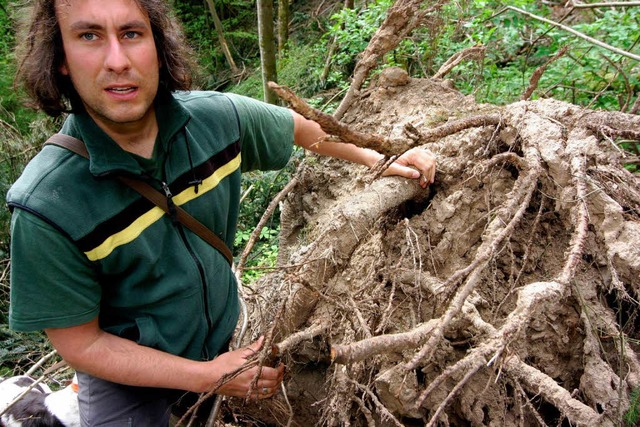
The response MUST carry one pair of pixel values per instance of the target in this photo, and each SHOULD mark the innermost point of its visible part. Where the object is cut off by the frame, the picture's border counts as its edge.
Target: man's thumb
(257, 345)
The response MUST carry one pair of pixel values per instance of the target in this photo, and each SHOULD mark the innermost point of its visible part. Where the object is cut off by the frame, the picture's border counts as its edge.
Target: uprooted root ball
(507, 294)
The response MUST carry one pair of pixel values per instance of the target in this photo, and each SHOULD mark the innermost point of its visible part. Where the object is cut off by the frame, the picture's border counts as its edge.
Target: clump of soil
(505, 294)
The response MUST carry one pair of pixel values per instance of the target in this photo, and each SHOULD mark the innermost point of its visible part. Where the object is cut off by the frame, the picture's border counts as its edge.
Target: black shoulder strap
(151, 194)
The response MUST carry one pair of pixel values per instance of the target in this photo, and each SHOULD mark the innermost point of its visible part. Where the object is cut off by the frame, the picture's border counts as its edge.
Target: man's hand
(416, 163)
(268, 382)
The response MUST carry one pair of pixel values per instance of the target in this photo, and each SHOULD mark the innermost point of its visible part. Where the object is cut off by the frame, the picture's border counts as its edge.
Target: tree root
(548, 237)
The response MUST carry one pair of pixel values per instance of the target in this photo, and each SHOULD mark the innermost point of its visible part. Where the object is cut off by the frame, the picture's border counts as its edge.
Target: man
(132, 300)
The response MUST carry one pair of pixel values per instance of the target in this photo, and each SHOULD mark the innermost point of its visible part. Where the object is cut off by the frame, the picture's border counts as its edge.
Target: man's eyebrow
(85, 25)
(134, 25)
(88, 25)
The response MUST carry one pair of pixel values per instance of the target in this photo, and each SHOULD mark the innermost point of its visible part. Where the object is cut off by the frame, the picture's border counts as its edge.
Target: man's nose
(117, 59)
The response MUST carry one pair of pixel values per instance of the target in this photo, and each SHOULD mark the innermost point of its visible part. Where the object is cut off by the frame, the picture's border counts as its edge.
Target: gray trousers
(106, 404)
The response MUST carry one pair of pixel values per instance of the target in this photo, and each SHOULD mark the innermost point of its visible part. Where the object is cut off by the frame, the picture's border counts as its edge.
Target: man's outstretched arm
(414, 164)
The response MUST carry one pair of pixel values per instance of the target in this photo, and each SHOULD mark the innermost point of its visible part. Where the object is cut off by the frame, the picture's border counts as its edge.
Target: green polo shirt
(84, 245)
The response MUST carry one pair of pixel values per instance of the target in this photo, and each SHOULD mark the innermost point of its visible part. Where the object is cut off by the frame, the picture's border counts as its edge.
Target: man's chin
(120, 116)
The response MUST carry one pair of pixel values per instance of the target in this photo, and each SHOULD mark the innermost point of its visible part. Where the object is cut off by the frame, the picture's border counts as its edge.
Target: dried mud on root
(505, 295)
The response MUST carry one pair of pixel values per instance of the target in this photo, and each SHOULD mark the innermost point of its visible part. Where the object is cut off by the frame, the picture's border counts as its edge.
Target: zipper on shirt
(203, 279)
(173, 212)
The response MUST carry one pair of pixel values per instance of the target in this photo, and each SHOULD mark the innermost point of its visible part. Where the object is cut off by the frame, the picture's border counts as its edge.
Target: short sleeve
(266, 133)
(53, 284)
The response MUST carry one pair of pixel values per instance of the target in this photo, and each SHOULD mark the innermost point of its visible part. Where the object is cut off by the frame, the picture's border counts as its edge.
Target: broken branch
(577, 33)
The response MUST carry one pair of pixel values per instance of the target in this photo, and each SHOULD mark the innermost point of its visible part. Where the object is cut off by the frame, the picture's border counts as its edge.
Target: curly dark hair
(41, 54)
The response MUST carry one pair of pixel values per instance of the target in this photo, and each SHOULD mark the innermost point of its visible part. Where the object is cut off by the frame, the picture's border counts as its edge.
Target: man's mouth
(122, 90)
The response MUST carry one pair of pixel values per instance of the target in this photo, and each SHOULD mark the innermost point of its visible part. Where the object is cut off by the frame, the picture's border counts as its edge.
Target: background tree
(222, 40)
(283, 26)
(267, 48)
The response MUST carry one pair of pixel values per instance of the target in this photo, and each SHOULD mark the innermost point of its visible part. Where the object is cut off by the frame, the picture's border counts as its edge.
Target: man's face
(111, 58)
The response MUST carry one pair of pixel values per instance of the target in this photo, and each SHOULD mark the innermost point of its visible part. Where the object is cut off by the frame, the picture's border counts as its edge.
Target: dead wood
(537, 74)
(402, 18)
(255, 234)
(474, 53)
(387, 146)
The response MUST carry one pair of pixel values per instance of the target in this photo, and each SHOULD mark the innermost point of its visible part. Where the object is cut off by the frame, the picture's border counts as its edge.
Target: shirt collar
(105, 155)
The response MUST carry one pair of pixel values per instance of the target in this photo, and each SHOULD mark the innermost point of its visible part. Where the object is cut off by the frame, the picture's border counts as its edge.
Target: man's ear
(63, 68)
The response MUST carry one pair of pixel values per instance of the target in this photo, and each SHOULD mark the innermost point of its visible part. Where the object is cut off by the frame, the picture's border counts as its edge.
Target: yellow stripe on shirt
(143, 222)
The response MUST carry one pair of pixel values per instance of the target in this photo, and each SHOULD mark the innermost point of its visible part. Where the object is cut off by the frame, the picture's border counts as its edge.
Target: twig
(614, 133)
(385, 414)
(388, 147)
(540, 383)
(41, 362)
(402, 18)
(533, 410)
(473, 52)
(473, 362)
(612, 4)
(524, 188)
(580, 234)
(333, 127)
(255, 235)
(537, 74)
(527, 253)
(456, 126)
(452, 393)
(627, 84)
(576, 33)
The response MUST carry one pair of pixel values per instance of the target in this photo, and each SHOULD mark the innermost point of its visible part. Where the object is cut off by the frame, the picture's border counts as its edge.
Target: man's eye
(130, 35)
(88, 36)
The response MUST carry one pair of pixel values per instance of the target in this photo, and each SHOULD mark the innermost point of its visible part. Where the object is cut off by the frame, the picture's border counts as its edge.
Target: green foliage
(300, 69)
(515, 46)
(238, 21)
(264, 255)
(632, 147)
(12, 113)
(251, 87)
(260, 188)
(352, 29)
(19, 351)
(632, 416)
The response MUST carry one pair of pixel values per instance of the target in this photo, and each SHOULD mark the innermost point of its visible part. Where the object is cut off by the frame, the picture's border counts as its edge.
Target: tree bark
(221, 38)
(267, 48)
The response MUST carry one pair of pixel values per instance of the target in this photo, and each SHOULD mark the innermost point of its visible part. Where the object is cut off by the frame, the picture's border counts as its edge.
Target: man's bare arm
(89, 349)
(413, 164)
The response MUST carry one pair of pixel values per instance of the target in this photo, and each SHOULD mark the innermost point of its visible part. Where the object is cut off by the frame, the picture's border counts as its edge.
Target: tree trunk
(283, 26)
(267, 48)
(221, 38)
